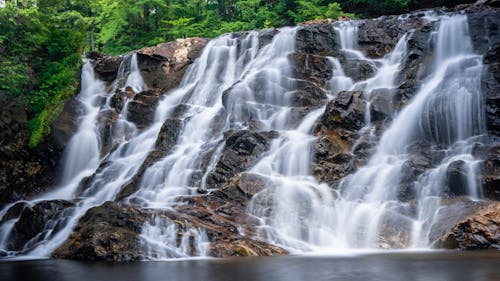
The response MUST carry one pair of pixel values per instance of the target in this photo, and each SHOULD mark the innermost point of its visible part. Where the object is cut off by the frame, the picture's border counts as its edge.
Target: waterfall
(221, 93)
(83, 157)
(161, 241)
(304, 211)
(446, 111)
(245, 81)
(134, 79)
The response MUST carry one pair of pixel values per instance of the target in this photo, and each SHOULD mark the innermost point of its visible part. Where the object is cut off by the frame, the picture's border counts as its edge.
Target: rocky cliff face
(217, 206)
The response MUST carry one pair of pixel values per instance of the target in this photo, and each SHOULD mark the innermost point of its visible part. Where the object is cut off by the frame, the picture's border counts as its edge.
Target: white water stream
(235, 84)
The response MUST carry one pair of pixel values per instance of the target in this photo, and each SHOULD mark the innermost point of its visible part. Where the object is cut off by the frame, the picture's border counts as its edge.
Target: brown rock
(242, 150)
(478, 230)
(108, 232)
(164, 65)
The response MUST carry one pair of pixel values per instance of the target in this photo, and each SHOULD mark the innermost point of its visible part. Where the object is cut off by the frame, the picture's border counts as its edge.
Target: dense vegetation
(371, 8)
(41, 42)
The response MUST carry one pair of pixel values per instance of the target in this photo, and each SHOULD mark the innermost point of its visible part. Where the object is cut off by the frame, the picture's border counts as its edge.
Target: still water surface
(453, 266)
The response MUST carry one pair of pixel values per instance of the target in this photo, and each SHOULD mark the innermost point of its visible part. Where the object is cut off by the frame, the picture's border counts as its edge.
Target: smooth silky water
(306, 215)
(442, 266)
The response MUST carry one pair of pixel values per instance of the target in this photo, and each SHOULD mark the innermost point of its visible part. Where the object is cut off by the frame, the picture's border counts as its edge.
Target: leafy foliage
(41, 41)
(40, 56)
(123, 25)
(374, 8)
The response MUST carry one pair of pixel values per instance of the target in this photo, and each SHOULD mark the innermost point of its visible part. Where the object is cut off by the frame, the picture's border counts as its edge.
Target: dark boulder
(332, 159)
(142, 109)
(490, 172)
(377, 37)
(65, 125)
(106, 67)
(266, 36)
(468, 225)
(415, 166)
(242, 187)
(14, 211)
(491, 89)
(381, 105)
(106, 233)
(309, 94)
(35, 222)
(456, 178)
(357, 69)
(107, 122)
(163, 66)
(241, 151)
(345, 112)
(314, 68)
(319, 39)
(338, 130)
(483, 26)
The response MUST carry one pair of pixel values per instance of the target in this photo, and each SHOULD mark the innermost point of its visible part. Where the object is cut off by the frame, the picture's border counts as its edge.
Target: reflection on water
(477, 266)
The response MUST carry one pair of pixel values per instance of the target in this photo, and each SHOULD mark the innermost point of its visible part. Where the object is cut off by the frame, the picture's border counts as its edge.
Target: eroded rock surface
(468, 225)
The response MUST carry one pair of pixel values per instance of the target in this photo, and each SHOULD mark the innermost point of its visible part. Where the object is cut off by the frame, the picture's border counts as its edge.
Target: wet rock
(164, 65)
(358, 70)
(416, 64)
(404, 92)
(222, 215)
(394, 231)
(266, 36)
(332, 159)
(381, 105)
(14, 211)
(319, 39)
(314, 68)
(309, 95)
(456, 178)
(37, 221)
(119, 99)
(364, 146)
(485, 35)
(468, 226)
(338, 130)
(107, 121)
(244, 248)
(25, 171)
(111, 231)
(415, 166)
(106, 67)
(377, 37)
(141, 110)
(346, 111)
(491, 89)
(65, 125)
(483, 26)
(242, 187)
(242, 150)
(168, 135)
(167, 139)
(490, 173)
(106, 233)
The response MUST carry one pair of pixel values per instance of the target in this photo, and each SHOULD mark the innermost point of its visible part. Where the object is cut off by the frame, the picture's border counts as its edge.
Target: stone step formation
(331, 136)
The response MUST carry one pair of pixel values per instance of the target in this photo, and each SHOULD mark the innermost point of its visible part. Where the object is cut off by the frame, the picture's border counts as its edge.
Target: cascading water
(303, 210)
(83, 158)
(446, 111)
(232, 85)
(242, 83)
(83, 151)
